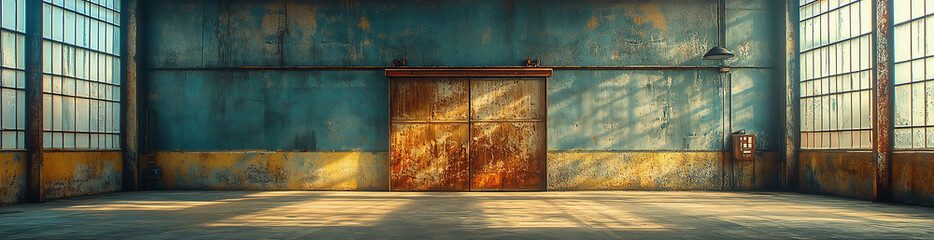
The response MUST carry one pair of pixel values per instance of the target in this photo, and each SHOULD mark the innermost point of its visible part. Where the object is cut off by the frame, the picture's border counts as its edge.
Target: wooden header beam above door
(469, 72)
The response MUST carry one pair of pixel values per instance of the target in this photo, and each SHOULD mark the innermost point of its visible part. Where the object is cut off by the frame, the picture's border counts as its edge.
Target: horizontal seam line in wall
(835, 150)
(379, 68)
(638, 151)
(267, 151)
(53, 150)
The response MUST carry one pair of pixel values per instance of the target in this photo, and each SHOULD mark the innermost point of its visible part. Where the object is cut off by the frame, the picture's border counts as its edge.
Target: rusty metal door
(507, 134)
(429, 134)
(463, 134)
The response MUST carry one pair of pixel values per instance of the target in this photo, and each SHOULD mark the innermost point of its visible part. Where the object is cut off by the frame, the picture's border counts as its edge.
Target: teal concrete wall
(203, 108)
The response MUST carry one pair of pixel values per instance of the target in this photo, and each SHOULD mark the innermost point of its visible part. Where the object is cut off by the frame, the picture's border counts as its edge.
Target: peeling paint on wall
(612, 111)
(70, 174)
(12, 177)
(648, 12)
(261, 170)
(913, 178)
(848, 174)
(604, 170)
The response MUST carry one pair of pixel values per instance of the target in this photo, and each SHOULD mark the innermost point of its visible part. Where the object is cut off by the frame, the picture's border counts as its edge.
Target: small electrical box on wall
(744, 146)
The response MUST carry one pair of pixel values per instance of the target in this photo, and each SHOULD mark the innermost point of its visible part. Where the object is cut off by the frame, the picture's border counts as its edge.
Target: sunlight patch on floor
(318, 213)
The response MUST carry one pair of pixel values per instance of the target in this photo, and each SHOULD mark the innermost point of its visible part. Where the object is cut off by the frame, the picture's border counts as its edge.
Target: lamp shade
(718, 53)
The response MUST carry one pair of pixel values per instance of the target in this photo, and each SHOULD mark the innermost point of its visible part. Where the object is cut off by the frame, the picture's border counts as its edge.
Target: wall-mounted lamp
(719, 52)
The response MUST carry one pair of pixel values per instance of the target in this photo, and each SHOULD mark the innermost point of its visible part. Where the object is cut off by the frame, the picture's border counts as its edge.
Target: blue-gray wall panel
(614, 110)
(635, 110)
(431, 33)
(271, 110)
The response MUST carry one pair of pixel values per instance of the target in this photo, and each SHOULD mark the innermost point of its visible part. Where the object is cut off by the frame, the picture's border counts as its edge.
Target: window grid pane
(12, 75)
(836, 74)
(914, 75)
(81, 74)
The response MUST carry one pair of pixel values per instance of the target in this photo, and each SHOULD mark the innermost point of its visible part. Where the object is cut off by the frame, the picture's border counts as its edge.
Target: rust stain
(592, 24)
(304, 16)
(847, 174)
(426, 155)
(12, 177)
(507, 156)
(364, 24)
(912, 178)
(432, 131)
(649, 14)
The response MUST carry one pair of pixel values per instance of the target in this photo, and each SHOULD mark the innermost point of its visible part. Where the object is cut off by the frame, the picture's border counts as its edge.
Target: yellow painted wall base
(578, 170)
(261, 170)
(70, 174)
(12, 177)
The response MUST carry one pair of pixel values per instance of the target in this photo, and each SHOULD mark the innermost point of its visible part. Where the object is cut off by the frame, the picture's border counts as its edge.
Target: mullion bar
(828, 11)
(88, 2)
(818, 47)
(87, 15)
(834, 75)
(82, 48)
(83, 79)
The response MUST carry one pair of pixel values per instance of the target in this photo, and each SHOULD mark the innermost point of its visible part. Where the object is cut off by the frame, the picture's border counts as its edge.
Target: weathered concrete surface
(270, 110)
(677, 109)
(838, 173)
(447, 33)
(12, 177)
(913, 178)
(394, 215)
(69, 174)
(207, 102)
(264, 170)
(577, 170)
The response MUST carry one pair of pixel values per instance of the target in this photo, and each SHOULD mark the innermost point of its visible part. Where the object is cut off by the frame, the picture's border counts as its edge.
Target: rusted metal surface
(472, 72)
(33, 138)
(791, 130)
(429, 134)
(429, 157)
(459, 134)
(838, 173)
(883, 113)
(513, 99)
(507, 156)
(508, 134)
(436, 99)
(912, 178)
(128, 109)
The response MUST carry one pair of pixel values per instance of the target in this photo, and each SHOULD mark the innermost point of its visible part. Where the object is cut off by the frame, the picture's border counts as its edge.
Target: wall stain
(592, 24)
(650, 13)
(364, 24)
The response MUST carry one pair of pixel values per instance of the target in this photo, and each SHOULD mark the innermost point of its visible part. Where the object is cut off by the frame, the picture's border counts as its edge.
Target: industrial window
(836, 76)
(81, 80)
(12, 76)
(914, 74)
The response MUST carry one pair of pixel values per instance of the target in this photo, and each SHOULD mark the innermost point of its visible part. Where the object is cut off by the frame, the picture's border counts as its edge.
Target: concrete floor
(539, 215)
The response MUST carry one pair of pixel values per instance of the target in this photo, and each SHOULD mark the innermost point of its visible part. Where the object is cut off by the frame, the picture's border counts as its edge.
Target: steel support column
(33, 138)
(883, 113)
(128, 109)
(791, 118)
